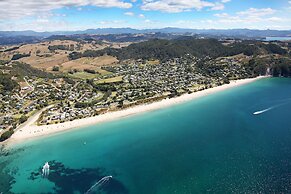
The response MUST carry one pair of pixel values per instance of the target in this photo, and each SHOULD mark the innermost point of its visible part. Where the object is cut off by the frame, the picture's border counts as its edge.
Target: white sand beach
(31, 130)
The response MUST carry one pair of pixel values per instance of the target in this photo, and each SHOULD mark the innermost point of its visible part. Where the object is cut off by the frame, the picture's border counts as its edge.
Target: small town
(145, 96)
(128, 84)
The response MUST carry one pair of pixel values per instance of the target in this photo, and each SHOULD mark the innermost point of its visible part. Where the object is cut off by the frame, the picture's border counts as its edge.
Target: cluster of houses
(140, 82)
(39, 94)
(229, 67)
(147, 80)
(61, 113)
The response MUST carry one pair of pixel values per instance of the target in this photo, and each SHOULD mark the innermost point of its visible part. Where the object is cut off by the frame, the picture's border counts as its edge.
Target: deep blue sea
(214, 144)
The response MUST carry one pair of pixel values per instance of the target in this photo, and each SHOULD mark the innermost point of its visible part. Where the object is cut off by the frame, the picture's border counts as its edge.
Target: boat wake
(273, 107)
(262, 111)
(98, 184)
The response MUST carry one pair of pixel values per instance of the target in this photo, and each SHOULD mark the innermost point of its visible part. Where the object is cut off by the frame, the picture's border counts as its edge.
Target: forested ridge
(164, 50)
(167, 49)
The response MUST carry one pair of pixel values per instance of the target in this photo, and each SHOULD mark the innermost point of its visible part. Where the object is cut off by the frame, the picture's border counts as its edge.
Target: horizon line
(140, 29)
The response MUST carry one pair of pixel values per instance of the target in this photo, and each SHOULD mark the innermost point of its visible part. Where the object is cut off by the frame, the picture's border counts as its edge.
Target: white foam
(99, 183)
(262, 111)
(268, 109)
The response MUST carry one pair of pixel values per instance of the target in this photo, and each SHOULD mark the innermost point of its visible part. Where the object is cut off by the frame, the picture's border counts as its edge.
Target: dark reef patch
(6, 180)
(69, 180)
(6, 175)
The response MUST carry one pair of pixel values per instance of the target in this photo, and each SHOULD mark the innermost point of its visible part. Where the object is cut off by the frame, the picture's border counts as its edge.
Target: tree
(56, 68)
(6, 135)
(23, 118)
(7, 83)
(19, 56)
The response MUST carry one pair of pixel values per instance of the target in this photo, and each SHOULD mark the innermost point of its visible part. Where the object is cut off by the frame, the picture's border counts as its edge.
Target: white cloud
(253, 12)
(172, 6)
(225, 1)
(217, 6)
(259, 18)
(226, 21)
(250, 15)
(19, 8)
(112, 22)
(141, 16)
(40, 24)
(275, 19)
(129, 13)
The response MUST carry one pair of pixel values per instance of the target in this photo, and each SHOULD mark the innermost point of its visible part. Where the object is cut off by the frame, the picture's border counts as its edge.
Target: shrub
(56, 68)
(90, 71)
(19, 56)
(23, 118)
(6, 135)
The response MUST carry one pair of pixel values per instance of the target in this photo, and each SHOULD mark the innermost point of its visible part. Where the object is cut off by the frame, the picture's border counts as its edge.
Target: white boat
(45, 169)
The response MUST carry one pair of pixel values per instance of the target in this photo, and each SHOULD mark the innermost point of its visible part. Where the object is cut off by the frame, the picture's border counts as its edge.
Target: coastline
(29, 130)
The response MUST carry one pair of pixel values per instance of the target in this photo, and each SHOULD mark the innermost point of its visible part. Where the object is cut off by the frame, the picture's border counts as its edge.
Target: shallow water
(214, 144)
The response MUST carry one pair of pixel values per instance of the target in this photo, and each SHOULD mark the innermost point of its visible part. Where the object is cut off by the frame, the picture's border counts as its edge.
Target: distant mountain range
(100, 31)
(133, 35)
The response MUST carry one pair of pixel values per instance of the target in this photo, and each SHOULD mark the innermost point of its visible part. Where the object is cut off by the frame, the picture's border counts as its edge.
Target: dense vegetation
(6, 135)
(2, 62)
(12, 49)
(61, 47)
(275, 49)
(93, 53)
(167, 49)
(90, 71)
(278, 66)
(282, 67)
(56, 68)
(23, 118)
(122, 37)
(19, 56)
(6, 83)
(22, 69)
(12, 40)
(18, 70)
(164, 50)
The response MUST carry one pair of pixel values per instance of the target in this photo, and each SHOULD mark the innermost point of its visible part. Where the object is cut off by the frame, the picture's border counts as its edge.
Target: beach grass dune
(31, 130)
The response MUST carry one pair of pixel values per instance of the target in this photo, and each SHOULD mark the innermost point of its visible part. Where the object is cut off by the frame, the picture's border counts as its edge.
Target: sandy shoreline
(30, 130)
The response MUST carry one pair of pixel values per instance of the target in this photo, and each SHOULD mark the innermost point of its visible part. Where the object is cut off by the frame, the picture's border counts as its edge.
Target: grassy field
(83, 75)
(88, 63)
(43, 58)
(46, 63)
(103, 72)
(110, 80)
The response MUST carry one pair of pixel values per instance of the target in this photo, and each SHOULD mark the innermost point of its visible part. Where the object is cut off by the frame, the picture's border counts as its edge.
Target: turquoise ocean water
(214, 144)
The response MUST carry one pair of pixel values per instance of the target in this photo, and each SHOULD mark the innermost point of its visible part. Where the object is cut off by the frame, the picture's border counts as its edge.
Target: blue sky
(54, 15)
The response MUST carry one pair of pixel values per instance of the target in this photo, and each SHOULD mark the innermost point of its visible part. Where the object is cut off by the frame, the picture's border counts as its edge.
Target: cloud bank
(14, 9)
